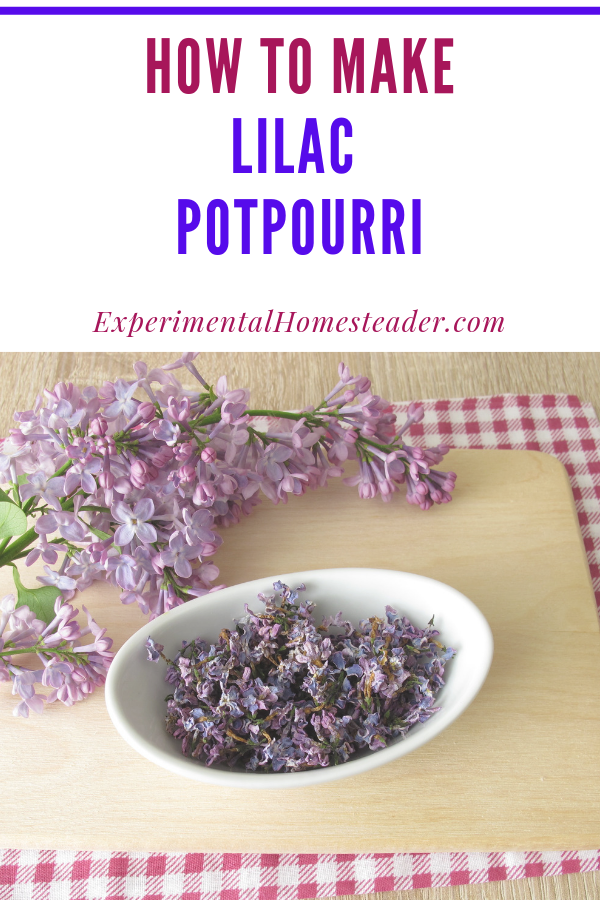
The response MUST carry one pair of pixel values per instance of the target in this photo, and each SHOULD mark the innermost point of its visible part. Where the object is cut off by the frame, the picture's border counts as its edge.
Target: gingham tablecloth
(558, 424)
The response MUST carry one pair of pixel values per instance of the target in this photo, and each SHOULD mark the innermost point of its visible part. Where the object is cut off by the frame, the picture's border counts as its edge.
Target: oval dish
(135, 687)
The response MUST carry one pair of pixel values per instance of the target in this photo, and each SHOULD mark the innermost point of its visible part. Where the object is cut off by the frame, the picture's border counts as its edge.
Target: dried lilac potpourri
(280, 694)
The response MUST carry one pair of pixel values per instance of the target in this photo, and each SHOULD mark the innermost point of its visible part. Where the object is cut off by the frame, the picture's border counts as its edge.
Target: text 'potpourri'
(358, 225)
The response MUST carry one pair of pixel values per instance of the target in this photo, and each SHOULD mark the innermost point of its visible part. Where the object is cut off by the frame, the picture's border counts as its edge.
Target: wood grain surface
(292, 380)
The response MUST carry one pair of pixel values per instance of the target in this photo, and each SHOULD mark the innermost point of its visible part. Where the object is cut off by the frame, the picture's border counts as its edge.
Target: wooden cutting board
(520, 770)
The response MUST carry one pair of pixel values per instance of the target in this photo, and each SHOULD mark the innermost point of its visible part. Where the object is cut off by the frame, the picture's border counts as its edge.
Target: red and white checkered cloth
(79, 875)
(557, 424)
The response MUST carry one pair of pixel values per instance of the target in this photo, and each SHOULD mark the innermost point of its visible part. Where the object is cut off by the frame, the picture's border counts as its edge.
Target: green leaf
(4, 498)
(99, 534)
(12, 520)
(39, 600)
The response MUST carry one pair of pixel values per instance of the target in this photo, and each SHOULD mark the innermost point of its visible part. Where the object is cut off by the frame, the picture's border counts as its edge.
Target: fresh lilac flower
(65, 625)
(19, 629)
(167, 431)
(86, 567)
(65, 415)
(80, 450)
(144, 486)
(62, 582)
(183, 360)
(199, 527)
(179, 410)
(81, 475)
(145, 379)
(178, 555)
(48, 552)
(98, 649)
(271, 464)
(134, 523)
(31, 701)
(123, 403)
(10, 451)
(147, 411)
(49, 489)
(142, 473)
(125, 571)
(70, 527)
(186, 359)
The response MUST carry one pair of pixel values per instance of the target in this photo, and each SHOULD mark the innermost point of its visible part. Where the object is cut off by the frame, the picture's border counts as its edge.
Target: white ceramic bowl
(135, 687)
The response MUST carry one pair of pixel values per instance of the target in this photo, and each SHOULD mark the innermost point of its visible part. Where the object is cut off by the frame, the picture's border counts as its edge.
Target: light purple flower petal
(46, 524)
(124, 534)
(121, 512)
(145, 532)
(73, 531)
(144, 509)
(183, 567)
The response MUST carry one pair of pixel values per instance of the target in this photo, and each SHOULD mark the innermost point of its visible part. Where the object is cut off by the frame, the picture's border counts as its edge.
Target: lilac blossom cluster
(133, 490)
(134, 481)
(71, 670)
(280, 694)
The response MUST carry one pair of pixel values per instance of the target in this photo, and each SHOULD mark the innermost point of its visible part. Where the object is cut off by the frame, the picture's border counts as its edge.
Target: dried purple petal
(280, 694)
(154, 650)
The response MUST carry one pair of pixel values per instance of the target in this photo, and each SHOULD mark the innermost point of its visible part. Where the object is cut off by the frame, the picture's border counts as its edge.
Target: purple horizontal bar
(299, 10)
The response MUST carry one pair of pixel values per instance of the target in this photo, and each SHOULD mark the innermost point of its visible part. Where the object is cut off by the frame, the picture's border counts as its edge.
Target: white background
(506, 168)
